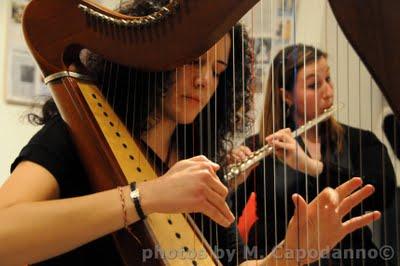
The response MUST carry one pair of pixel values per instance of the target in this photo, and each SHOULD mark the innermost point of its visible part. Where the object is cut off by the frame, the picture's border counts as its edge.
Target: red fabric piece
(248, 217)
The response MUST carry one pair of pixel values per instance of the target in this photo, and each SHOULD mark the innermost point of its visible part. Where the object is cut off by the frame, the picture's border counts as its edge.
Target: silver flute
(236, 169)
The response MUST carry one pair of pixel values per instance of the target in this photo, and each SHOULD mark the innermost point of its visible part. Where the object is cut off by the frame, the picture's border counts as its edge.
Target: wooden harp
(110, 156)
(369, 27)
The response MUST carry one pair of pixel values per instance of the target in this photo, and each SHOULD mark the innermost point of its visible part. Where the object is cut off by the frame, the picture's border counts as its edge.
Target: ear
(287, 95)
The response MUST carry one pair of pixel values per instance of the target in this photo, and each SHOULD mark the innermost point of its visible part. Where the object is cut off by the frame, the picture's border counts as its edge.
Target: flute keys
(235, 171)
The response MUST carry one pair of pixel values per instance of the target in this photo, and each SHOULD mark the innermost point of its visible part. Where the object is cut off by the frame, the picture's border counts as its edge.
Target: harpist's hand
(317, 227)
(289, 152)
(189, 186)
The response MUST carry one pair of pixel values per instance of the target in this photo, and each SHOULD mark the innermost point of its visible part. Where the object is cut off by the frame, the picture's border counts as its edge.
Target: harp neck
(78, 24)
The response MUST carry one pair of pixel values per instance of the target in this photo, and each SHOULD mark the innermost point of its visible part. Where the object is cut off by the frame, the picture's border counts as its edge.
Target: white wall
(310, 18)
(14, 132)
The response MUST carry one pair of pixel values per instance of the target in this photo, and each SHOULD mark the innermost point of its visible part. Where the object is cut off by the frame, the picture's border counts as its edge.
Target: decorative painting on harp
(153, 106)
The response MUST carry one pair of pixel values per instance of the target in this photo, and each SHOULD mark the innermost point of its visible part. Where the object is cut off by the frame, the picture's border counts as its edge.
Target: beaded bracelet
(124, 215)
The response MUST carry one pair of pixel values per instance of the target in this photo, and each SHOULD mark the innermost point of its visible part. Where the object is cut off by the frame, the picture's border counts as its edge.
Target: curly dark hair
(229, 106)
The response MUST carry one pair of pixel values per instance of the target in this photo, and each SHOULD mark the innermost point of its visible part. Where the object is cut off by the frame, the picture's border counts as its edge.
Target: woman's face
(313, 90)
(195, 83)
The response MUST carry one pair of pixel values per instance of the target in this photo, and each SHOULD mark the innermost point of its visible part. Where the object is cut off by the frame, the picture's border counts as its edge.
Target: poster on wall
(271, 27)
(24, 82)
(285, 7)
(262, 58)
(23, 78)
(267, 41)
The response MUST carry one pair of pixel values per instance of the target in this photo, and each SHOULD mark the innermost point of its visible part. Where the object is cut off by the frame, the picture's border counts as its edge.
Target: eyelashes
(312, 86)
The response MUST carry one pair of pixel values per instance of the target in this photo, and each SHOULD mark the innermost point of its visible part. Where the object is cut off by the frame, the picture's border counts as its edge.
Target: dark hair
(49, 110)
(283, 74)
(229, 105)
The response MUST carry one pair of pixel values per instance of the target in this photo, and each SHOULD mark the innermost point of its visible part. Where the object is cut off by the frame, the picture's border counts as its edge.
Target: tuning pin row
(135, 22)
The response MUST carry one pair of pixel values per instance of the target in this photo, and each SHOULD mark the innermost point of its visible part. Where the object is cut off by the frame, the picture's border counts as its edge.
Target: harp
(374, 52)
(369, 45)
(105, 146)
(365, 25)
(107, 152)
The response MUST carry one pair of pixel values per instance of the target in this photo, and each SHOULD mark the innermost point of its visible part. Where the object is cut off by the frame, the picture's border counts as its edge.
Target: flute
(236, 169)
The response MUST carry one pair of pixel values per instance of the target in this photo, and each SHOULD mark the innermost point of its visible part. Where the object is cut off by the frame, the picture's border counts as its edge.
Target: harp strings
(263, 85)
(234, 60)
(325, 139)
(214, 128)
(110, 68)
(283, 104)
(273, 81)
(348, 130)
(243, 113)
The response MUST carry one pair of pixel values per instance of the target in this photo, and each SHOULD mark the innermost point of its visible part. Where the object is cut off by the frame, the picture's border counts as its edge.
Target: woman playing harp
(335, 152)
(70, 225)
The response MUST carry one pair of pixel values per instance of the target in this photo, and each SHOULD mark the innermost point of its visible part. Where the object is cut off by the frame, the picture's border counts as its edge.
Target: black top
(391, 127)
(274, 194)
(53, 149)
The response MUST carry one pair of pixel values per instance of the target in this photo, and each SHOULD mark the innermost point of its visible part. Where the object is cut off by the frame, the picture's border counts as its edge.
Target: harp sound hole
(131, 157)
(99, 104)
(111, 124)
(169, 221)
(138, 169)
(185, 248)
(178, 235)
(105, 114)
(118, 135)
(124, 145)
(94, 96)
(194, 263)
